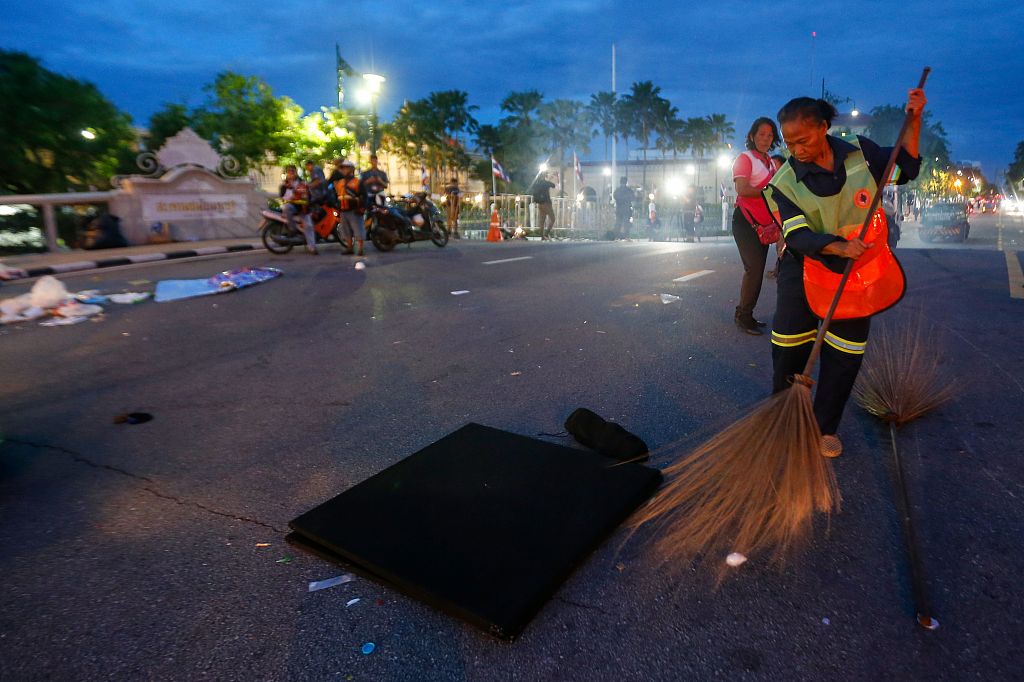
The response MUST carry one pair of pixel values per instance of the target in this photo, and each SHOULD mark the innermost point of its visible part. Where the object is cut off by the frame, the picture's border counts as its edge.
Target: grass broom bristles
(753, 487)
(901, 379)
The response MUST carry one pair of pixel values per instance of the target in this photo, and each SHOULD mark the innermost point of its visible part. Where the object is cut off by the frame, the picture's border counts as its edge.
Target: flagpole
(494, 187)
(615, 137)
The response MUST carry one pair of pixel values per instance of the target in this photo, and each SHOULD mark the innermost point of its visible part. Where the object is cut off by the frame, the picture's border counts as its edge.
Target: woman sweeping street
(752, 225)
(821, 197)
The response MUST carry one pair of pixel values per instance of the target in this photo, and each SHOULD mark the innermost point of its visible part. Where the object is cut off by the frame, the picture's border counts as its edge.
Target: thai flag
(577, 167)
(498, 171)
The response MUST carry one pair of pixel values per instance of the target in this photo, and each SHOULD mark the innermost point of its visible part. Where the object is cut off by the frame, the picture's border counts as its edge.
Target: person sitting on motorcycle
(349, 190)
(374, 180)
(295, 204)
(317, 183)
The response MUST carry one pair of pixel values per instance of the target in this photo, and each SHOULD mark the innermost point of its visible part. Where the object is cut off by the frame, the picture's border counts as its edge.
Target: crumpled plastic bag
(76, 309)
(12, 307)
(48, 292)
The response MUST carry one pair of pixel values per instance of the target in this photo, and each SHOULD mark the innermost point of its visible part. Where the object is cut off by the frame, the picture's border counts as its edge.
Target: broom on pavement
(756, 485)
(901, 381)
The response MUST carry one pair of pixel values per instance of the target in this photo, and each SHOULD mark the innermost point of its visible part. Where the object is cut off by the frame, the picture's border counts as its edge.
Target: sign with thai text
(170, 207)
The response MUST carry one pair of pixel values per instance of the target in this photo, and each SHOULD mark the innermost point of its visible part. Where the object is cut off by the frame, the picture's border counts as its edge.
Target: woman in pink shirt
(751, 173)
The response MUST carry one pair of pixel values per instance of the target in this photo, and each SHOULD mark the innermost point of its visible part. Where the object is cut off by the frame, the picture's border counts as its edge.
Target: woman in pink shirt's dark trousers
(751, 173)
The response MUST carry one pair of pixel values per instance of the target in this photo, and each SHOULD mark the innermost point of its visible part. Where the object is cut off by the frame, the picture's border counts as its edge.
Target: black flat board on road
(483, 524)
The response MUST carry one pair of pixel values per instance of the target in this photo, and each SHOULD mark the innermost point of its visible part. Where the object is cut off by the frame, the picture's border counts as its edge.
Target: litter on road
(331, 582)
(460, 292)
(229, 280)
(133, 418)
(49, 297)
(350, 602)
(669, 298)
(735, 559)
(129, 297)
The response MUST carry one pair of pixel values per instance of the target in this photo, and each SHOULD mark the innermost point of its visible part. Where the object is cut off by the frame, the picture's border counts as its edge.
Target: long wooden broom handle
(820, 338)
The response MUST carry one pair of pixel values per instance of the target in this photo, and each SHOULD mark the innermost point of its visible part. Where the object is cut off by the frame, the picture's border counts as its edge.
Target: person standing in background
(751, 173)
(623, 197)
(542, 198)
(453, 202)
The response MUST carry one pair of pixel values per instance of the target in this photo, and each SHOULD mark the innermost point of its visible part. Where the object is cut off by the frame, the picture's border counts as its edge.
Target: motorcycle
(413, 218)
(279, 237)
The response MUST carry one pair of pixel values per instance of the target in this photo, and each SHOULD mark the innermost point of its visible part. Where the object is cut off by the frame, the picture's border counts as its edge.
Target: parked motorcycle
(279, 237)
(412, 218)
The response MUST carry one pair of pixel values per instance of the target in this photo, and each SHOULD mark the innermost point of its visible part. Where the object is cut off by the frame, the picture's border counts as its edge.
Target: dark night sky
(739, 58)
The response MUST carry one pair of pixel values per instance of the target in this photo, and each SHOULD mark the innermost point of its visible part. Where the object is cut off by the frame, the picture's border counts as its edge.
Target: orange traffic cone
(494, 234)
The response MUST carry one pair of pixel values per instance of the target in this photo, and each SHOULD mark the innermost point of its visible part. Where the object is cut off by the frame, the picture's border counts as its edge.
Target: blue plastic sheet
(229, 280)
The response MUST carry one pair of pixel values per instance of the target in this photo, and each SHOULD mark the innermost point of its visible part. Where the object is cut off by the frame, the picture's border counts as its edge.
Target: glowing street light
(373, 86)
(543, 167)
(724, 161)
(89, 134)
(606, 171)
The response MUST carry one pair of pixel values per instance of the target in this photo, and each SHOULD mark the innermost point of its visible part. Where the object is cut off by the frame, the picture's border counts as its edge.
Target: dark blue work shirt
(827, 183)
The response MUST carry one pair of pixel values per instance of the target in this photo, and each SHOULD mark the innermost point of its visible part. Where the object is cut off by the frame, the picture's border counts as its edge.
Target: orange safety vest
(876, 280)
(348, 190)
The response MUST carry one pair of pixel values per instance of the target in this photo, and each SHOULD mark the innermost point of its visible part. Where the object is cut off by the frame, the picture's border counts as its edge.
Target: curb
(14, 274)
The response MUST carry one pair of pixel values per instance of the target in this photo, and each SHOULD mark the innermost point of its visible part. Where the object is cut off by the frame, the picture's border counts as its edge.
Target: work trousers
(793, 333)
(754, 254)
(545, 212)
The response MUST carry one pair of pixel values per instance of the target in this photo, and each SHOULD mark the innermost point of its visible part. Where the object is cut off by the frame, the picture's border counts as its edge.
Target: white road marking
(693, 275)
(1015, 274)
(506, 260)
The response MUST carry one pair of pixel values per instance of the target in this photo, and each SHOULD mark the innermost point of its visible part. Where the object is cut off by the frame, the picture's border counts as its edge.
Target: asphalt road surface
(136, 551)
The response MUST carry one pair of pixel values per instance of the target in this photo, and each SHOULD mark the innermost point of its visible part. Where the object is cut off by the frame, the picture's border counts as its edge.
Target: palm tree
(644, 103)
(601, 113)
(453, 115)
(565, 127)
(721, 127)
(666, 128)
(521, 106)
(702, 140)
(488, 138)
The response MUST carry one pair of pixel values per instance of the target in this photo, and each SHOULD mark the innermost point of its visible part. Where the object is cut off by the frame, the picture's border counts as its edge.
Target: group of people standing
(811, 207)
(344, 191)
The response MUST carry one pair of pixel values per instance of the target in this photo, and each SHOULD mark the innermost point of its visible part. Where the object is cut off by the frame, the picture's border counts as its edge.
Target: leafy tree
(426, 131)
(242, 117)
(886, 121)
(57, 133)
(520, 136)
(488, 138)
(166, 123)
(319, 136)
(1015, 173)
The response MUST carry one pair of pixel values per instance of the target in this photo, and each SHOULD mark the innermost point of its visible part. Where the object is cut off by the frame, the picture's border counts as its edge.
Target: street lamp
(89, 134)
(373, 86)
